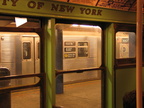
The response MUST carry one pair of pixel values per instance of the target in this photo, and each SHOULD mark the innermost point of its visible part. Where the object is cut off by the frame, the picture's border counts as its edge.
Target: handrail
(20, 76)
(4, 89)
(22, 86)
(77, 70)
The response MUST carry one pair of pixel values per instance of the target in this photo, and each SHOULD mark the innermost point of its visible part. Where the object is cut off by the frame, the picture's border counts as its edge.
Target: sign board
(57, 9)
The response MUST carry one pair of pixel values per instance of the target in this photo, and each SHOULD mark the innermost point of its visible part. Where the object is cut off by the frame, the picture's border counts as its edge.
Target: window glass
(82, 52)
(80, 46)
(26, 50)
(38, 50)
(125, 45)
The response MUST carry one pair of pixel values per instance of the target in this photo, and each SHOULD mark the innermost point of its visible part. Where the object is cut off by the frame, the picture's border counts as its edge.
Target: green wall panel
(50, 62)
(109, 57)
(125, 82)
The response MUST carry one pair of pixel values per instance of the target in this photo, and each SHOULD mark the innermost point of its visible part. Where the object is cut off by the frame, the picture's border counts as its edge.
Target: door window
(26, 50)
(125, 47)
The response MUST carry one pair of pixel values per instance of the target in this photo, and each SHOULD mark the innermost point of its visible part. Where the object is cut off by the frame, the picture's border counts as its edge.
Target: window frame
(124, 62)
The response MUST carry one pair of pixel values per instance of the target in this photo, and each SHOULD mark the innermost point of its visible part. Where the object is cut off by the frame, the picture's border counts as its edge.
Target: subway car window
(80, 47)
(38, 50)
(125, 47)
(18, 52)
(26, 50)
(19, 62)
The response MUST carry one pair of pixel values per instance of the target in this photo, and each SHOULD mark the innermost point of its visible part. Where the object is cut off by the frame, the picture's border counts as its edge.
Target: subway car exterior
(55, 40)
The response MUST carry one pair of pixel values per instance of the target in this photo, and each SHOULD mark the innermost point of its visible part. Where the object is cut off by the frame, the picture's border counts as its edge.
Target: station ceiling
(126, 5)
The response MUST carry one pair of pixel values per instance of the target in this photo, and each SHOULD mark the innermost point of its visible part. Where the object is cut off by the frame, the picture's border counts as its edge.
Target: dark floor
(81, 95)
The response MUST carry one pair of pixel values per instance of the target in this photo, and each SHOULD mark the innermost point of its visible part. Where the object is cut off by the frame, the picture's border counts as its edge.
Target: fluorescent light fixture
(89, 26)
(76, 25)
(96, 27)
(20, 21)
(31, 35)
(86, 26)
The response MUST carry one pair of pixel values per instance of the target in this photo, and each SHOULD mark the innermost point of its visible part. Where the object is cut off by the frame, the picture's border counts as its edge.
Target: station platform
(77, 95)
(80, 95)
(27, 98)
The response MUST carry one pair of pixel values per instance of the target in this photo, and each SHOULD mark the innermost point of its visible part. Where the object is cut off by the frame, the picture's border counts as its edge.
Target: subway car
(75, 49)
(20, 53)
(49, 45)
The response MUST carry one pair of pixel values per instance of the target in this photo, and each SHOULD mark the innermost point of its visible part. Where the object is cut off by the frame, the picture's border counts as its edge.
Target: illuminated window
(80, 46)
(26, 50)
(82, 49)
(125, 45)
(38, 50)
